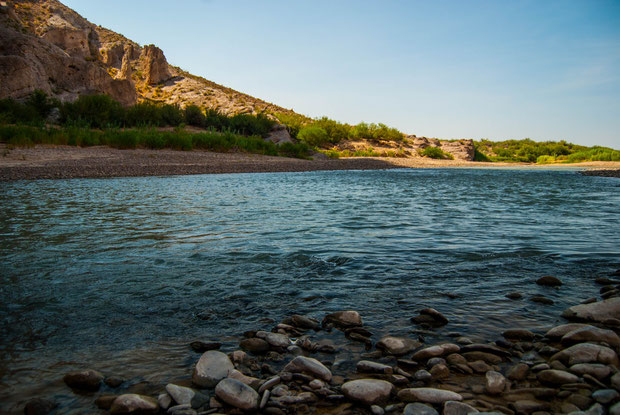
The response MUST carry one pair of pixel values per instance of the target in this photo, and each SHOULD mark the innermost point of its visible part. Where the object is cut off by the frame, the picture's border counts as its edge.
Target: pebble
(495, 382)
(419, 409)
(596, 370)
(163, 399)
(180, 394)
(308, 365)
(377, 410)
(423, 375)
(557, 377)
(368, 391)
(458, 408)
(132, 403)
(212, 367)
(366, 366)
(274, 339)
(440, 371)
(397, 346)
(428, 395)
(518, 372)
(237, 394)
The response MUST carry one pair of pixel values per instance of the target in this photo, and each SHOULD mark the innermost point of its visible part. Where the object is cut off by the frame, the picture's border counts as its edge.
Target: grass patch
(436, 153)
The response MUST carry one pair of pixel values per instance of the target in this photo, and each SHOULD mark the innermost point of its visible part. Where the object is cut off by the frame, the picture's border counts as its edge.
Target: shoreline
(67, 162)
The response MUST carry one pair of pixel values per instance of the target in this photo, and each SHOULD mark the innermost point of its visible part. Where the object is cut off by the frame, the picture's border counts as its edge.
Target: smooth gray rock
(419, 409)
(368, 391)
(212, 367)
(587, 353)
(495, 382)
(397, 346)
(310, 366)
(180, 394)
(366, 366)
(557, 377)
(344, 319)
(237, 394)
(458, 408)
(605, 396)
(274, 339)
(559, 331)
(131, 403)
(598, 312)
(423, 375)
(591, 334)
(428, 395)
(596, 370)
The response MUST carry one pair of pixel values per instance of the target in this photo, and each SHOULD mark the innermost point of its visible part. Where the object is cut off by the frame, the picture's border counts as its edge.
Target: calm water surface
(120, 274)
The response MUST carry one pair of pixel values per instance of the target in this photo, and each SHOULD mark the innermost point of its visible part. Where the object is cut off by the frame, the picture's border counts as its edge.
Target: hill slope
(47, 46)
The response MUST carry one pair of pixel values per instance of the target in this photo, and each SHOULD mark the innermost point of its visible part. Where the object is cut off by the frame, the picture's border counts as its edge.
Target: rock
(428, 395)
(440, 371)
(344, 319)
(605, 396)
(527, 407)
(557, 377)
(248, 380)
(591, 334)
(615, 381)
(587, 353)
(132, 403)
(264, 399)
(39, 406)
(180, 394)
(274, 339)
(106, 401)
(423, 375)
(458, 408)
(519, 334)
(479, 366)
(114, 381)
(237, 394)
(514, 296)
(212, 367)
(463, 149)
(296, 320)
(596, 370)
(485, 357)
(597, 312)
(541, 299)
(615, 409)
(430, 316)
(87, 380)
(377, 410)
(435, 361)
(310, 366)
(435, 351)
(201, 347)
(495, 382)
(254, 345)
(181, 410)
(279, 134)
(368, 391)
(419, 409)
(366, 366)
(559, 331)
(518, 372)
(163, 399)
(154, 65)
(269, 384)
(549, 281)
(486, 348)
(397, 346)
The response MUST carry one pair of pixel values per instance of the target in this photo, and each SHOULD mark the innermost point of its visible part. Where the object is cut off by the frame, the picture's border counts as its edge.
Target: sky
(495, 69)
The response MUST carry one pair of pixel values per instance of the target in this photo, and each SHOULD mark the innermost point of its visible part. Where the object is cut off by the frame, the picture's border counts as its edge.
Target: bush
(436, 153)
(480, 156)
(94, 111)
(313, 136)
(194, 116)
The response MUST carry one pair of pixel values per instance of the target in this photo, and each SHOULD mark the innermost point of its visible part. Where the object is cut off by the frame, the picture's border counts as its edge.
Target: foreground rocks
(298, 368)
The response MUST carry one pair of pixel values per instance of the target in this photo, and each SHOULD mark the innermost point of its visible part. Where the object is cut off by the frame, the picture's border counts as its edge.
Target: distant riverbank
(62, 162)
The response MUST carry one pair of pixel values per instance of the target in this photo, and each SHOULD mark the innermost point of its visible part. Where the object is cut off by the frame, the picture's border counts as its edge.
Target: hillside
(46, 46)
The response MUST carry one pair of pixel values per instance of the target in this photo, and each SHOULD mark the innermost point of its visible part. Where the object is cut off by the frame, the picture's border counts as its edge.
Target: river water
(121, 274)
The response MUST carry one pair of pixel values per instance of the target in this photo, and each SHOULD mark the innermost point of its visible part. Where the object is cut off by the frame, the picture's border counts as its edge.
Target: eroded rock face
(155, 65)
(73, 41)
(460, 150)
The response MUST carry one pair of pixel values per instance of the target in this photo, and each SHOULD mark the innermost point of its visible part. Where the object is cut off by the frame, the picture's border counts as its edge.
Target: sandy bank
(60, 162)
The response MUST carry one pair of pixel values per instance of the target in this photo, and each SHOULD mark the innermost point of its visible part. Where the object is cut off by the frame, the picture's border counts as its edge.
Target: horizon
(513, 71)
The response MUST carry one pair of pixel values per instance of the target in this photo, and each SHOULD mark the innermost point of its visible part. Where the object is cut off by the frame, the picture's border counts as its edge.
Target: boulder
(87, 380)
(397, 346)
(428, 395)
(132, 403)
(237, 394)
(597, 312)
(309, 366)
(591, 334)
(368, 391)
(212, 367)
(154, 65)
(344, 319)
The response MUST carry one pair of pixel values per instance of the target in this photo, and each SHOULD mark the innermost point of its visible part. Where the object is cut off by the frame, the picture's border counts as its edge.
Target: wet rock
(540, 366)
(428, 395)
(519, 334)
(549, 281)
(163, 399)
(87, 380)
(605, 396)
(435, 351)
(435, 361)
(479, 366)
(377, 410)
(456, 359)
(587, 353)
(212, 367)
(308, 365)
(485, 357)
(132, 403)
(368, 391)
(559, 331)
(269, 384)
(254, 345)
(518, 372)
(431, 317)
(185, 409)
(486, 348)
(596, 370)
(423, 375)
(591, 334)
(495, 382)
(39, 406)
(541, 299)
(201, 347)
(615, 381)
(274, 339)
(397, 346)
(180, 394)
(557, 377)
(366, 366)
(264, 399)
(597, 312)
(303, 322)
(105, 401)
(527, 406)
(114, 381)
(458, 408)
(237, 394)
(514, 296)
(419, 409)
(343, 319)
(440, 371)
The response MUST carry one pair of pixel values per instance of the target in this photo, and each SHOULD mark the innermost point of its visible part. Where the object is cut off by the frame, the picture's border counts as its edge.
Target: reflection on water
(120, 274)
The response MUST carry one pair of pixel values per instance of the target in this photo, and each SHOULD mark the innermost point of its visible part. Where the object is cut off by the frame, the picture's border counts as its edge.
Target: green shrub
(480, 156)
(545, 159)
(313, 136)
(436, 153)
(194, 116)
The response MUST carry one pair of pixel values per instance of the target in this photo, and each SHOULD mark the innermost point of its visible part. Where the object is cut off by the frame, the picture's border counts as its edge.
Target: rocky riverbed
(295, 368)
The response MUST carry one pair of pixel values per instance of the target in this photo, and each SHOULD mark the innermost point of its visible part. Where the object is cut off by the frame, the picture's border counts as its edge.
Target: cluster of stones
(571, 368)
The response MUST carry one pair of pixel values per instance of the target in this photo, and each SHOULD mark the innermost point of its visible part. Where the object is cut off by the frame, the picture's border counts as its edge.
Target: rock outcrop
(154, 64)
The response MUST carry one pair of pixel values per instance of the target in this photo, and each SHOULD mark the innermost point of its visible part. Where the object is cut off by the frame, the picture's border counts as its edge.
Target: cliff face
(45, 45)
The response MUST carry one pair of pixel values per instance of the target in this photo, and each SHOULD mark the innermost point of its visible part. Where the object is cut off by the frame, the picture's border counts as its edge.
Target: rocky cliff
(46, 45)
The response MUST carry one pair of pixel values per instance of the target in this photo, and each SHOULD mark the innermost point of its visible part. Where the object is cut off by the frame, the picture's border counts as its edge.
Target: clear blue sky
(496, 69)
